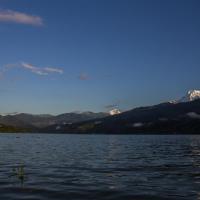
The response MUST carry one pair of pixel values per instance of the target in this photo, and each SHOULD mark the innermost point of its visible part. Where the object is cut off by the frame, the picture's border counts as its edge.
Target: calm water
(100, 167)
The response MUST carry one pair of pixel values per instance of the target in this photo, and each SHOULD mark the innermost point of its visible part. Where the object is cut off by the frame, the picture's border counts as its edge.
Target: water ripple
(100, 167)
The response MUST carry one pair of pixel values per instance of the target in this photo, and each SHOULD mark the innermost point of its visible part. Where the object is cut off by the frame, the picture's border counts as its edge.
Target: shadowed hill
(166, 117)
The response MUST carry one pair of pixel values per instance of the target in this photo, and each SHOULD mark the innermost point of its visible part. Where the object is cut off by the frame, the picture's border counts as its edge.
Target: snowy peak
(114, 112)
(190, 96)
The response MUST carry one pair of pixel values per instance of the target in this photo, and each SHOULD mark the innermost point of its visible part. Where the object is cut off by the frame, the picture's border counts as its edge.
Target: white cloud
(20, 18)
(28, 66)
(52, 69)
(41, 71)
(34, 69)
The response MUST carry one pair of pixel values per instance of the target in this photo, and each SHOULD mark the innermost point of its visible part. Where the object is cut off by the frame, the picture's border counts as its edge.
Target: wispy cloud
(10, 66)
(20, 18)
(83, 77)
(34, 69)
(111, 106)
(41, 71)
(114, 105)
(52, 69)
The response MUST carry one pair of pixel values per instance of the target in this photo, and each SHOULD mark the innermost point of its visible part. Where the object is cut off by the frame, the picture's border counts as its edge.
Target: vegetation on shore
(13, 129)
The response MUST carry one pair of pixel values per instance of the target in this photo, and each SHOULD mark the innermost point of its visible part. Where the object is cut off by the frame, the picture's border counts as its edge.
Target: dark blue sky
(59, 56)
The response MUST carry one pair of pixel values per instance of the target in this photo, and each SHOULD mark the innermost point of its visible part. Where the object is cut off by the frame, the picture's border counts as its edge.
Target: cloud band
(20, 18)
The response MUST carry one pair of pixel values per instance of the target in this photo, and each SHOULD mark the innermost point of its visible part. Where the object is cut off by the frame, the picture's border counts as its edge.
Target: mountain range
(37, 122)
(180, 116)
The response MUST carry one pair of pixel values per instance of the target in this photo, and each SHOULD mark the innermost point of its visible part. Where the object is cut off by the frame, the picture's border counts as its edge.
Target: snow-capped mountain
(190, 96)
(115, 112)
(161, 118)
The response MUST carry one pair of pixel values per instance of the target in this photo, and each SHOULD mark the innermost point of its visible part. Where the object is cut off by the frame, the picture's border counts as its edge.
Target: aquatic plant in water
(19, 173)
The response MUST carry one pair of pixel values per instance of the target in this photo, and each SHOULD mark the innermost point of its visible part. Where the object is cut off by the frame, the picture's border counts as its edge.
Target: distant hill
(162, 118)
(40, 121)
(179, 116)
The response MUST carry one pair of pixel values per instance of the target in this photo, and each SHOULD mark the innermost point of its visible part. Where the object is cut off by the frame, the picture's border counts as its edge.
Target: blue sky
(60, 56)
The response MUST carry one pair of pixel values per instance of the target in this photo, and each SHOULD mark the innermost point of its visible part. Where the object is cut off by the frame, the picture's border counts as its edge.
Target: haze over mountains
(181, 115)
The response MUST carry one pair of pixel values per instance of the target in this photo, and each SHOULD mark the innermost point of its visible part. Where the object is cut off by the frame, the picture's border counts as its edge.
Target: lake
(135, 167)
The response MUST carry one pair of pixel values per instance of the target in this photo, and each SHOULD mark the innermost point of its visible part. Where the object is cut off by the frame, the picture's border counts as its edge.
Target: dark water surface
(100, 167)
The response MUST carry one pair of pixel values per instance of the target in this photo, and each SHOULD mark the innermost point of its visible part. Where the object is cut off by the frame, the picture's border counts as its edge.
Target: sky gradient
(59, 56)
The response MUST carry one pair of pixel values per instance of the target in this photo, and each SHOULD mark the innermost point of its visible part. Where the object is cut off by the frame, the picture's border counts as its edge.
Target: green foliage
(86, 127)
(12, 129)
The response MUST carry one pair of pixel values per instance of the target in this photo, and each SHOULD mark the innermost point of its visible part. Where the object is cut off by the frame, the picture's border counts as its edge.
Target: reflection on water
(195, 159)
(36, 166)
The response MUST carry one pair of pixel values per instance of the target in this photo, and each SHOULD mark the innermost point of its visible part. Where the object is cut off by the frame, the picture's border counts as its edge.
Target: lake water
(100, 167)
